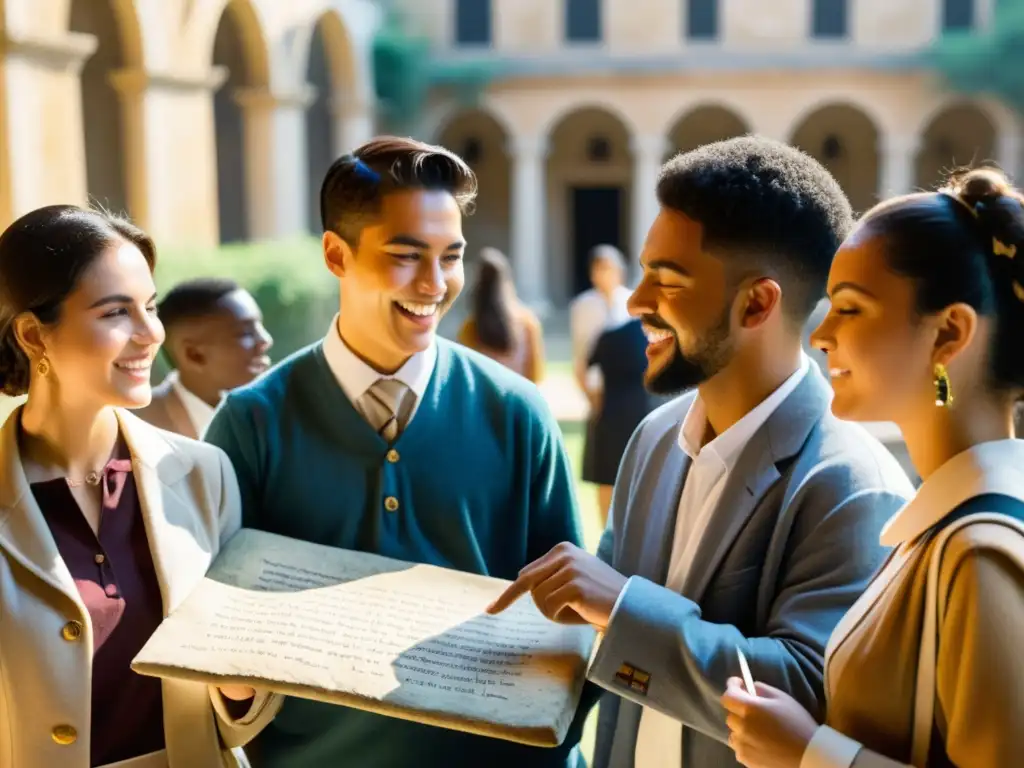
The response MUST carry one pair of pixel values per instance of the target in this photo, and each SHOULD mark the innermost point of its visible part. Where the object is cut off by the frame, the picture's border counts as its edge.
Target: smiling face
(102, 347)
(684, 300)
(405, 274)
(227, 348)
(879, 350)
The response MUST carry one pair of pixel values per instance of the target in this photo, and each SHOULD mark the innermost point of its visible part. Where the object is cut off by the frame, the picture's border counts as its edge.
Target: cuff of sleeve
(611, 617)
(220, 706)
(830, 749)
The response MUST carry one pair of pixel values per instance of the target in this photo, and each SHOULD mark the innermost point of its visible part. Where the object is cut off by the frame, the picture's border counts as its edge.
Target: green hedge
(289, 280)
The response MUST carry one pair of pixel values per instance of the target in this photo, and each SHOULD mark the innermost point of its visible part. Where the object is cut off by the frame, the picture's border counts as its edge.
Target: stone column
(648, 154)
(528, 223)
(897, 159)
(353, 121)
(1008, 154)
(43, 107)
(171, 152)
(130, 85)
(274, 131)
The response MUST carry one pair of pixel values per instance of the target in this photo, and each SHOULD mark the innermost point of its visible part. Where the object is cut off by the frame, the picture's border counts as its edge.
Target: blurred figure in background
(499, 325)
(590, 314)
(620, 356)
(216, 342)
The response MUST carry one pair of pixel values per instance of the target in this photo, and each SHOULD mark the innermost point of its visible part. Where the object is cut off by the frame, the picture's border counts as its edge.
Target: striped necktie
(383, 406)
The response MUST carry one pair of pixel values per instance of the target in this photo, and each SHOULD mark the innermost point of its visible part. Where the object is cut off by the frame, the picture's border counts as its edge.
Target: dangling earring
(943, 390)
(43, 366)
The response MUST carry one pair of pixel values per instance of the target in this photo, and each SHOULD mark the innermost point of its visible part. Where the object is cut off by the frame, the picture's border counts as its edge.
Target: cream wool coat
(190, 505)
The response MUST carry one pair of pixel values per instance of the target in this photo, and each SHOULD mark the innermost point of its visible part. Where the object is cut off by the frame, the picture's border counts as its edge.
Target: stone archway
(846, 141)
(704, 125)
(957, 137)
(240, 48)
(118, 49)
(329, 70)
(589, 194)
(479, 139)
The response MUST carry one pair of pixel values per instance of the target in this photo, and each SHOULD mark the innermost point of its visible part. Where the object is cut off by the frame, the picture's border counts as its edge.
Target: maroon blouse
(117, 582)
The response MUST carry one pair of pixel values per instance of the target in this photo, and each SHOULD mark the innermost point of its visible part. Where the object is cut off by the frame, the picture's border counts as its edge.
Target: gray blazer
(792, 543)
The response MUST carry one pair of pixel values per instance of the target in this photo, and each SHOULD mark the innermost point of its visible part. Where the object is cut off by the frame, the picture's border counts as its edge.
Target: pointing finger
(529, 578)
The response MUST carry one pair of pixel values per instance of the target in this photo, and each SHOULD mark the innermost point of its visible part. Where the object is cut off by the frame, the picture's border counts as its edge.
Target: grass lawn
(558, 368)
(572, 434)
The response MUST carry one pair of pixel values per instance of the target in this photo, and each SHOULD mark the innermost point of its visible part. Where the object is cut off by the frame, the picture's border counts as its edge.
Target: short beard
(685, 371)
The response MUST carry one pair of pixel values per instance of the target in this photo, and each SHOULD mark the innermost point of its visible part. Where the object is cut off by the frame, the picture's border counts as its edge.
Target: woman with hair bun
(106, 523)
(925, 329)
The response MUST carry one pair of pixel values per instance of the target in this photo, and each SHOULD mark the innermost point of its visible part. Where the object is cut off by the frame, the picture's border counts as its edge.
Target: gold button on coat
(72, 631)
(390, 503)
(393, 456)
(64, 734)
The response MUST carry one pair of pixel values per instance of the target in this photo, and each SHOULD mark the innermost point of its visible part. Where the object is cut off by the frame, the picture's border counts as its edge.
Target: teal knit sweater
(478, 481)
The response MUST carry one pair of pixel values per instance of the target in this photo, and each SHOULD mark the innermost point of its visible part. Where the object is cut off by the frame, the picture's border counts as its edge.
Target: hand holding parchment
(236, 692)
(569, 586)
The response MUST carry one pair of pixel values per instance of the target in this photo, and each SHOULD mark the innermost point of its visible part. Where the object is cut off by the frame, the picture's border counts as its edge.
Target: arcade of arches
(586, 175)
(205, 122)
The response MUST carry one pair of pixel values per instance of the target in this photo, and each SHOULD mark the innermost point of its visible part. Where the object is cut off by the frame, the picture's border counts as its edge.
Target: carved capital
(649, 147)
(67, 53)
(526, 148)
(133, 81)
(265, 98)
(900, 144)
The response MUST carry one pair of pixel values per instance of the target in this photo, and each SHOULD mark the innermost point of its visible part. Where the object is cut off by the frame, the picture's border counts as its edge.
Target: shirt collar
(200, 412)
(727, 446)
(355, 376)
(993, 467)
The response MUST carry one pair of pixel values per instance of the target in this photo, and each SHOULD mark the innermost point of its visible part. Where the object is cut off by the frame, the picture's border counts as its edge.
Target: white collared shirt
(590, 313)
(355, 376)
(659, 737)
(199, 412)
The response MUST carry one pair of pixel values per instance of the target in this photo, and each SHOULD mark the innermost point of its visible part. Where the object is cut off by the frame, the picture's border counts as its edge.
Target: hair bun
(995, 204)
(982, 185)
(999, 210)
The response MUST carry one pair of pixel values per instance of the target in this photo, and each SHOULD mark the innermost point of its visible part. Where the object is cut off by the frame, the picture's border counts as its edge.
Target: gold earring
(43, 366)
(943, 390)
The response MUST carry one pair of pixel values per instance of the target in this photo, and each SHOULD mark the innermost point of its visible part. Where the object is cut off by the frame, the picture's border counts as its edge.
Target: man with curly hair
(745, 515)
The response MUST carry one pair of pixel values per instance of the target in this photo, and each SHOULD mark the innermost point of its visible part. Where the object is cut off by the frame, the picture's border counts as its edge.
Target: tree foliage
(991, 61)
(405, 71)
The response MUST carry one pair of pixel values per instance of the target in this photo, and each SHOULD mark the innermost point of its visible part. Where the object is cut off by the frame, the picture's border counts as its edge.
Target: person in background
(925, 330)
(590, 314)
(500, 326)
(216, 342)
(620, 356)
(106, 523)
(384, 438)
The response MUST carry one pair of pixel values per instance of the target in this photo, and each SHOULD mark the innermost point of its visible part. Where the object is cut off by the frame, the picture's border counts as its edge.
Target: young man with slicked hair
(384, 438)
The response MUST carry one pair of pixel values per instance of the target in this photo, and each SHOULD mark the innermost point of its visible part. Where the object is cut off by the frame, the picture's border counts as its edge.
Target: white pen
(748, 679)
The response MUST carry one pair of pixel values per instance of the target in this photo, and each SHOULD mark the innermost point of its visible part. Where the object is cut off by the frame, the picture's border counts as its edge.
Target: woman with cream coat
(106, 523)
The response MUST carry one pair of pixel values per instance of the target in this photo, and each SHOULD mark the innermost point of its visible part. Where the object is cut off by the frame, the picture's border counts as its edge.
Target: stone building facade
(206, 120)
(591, 96)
